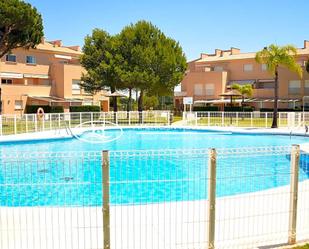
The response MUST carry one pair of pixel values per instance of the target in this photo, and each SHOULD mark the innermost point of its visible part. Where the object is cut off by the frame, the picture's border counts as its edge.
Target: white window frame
(8, 56)
(209, 89)
(76, 89)
(248, 67)
(33, 57)
(292, 85)
(18, 106)
(198, 90)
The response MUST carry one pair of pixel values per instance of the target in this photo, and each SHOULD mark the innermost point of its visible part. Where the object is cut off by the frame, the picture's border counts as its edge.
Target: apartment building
(213, 74)
(47, 75)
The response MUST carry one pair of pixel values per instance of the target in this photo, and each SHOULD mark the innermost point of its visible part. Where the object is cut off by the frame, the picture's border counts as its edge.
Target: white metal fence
(246, 119)
(225, 198)
(16, 124)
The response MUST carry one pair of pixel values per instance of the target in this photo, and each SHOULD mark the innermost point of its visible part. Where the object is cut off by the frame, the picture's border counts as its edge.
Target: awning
(252, 100)
(11, 75)
(241, 82)
(55, 99)
(66, 57)
(36, 76)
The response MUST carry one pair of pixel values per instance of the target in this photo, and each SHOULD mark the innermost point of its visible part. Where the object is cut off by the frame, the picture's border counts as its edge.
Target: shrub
(85, 108)
(205, 108)
(46, 108)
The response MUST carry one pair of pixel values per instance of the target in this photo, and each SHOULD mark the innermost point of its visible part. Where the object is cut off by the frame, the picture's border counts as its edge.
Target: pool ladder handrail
(298, 126)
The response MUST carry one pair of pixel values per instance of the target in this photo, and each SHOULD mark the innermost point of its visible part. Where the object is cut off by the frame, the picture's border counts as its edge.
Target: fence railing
(217, 198)
(16, 124)
(246, 119)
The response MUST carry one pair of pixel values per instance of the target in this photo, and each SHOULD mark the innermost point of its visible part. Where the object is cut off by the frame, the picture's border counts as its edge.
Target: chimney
(75, 48)
(218, 52)
(56, 43)
(203, 56)
(235, 51)
(306, 44)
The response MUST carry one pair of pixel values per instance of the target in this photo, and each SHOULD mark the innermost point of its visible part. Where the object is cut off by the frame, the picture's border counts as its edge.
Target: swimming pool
(169, 176)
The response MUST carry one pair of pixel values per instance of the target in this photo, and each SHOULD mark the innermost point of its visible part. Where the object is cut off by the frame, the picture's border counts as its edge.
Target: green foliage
(238, 109)
(85, 108)
(100, 60)
(20, 26)
(152, 62)
(46, 108)
(151, 102)
(141, 57)
(244, 90)
(205, 108)
(307, 66)
(275, 56)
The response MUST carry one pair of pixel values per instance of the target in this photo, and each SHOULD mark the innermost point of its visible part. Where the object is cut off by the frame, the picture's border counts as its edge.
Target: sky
(200, 26)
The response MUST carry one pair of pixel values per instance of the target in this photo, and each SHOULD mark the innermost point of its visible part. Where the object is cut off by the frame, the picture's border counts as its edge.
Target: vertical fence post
(1, 131)
(129, 118)
(211, 198)
(251, 119)
(26, 123)
(69, 120)
(195, 119)
(80, 120)
(295, 154)
(265, 119)
(58, 120)
(105, 186)
(43, 122)
(91, 117)
(222, 119)
(15, 125)
(279, 119)
(208, 121)
(237, 118)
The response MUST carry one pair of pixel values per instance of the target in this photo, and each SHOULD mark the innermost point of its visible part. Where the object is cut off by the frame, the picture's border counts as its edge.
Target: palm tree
(244, 90)
(274, 57)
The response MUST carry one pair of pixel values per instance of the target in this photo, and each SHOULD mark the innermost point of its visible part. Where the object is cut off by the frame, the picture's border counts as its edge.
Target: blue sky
(199, 26)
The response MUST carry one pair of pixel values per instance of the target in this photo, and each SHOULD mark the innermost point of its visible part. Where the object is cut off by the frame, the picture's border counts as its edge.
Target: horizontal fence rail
(28, 123)
(246, 119)
(195, 198)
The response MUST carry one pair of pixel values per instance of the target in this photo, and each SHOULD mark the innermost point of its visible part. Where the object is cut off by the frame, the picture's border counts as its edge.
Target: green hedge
(205, 108)
(280, 110)
(85, 108)
(46, 108)
(239, 109)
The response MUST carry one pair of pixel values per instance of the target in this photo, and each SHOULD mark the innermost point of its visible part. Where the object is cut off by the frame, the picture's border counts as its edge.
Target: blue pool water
(77, 180)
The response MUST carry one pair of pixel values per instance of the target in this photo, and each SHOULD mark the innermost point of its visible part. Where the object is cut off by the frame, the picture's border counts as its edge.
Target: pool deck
(253, 220)
(63, 133)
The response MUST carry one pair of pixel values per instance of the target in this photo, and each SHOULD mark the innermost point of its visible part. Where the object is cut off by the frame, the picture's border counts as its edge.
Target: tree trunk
(274, 124)
(140, 106)
(115, 107)
(129, 104)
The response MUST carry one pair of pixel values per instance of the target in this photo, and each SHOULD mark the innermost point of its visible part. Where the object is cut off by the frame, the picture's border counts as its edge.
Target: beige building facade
(47, 75)
(213, 74)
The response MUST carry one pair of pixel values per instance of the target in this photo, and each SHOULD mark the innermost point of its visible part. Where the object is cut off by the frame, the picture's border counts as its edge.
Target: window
(18, 104)
(30, 59)
(210, 89)
(198, 89)
(248, 67)
(10, 58)
(76, 86)
(264, 67)
(6, 81)
(218, 68)
(294, 87)
(306, 87)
